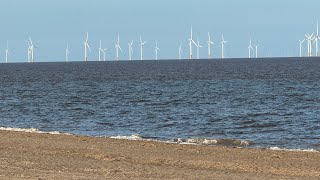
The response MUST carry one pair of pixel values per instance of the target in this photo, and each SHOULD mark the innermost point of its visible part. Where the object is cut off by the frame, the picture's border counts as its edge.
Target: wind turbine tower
(180, 51)
(100, 50)
(117, 45)
(86, 45)
(209, 45)
(130, 50)
(198, 48)
(301, 43)
(141, 48)
(250, 48)
(104, 53)
(67, 53)
(223, 42)
(191, 41)
(29, 52)
(256, 50)
(309, 39)
(156, 49)
(7, 52)
(316, 40)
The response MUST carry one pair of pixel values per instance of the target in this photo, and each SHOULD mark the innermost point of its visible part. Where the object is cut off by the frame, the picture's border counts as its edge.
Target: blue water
(269, 102)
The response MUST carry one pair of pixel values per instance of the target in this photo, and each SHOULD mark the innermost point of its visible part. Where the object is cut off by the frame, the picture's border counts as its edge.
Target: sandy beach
(46, 156)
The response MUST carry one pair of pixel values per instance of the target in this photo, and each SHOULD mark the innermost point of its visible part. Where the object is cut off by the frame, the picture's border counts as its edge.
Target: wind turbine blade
(194, 42)
(120, 48)
(87, 38)
(88, 47)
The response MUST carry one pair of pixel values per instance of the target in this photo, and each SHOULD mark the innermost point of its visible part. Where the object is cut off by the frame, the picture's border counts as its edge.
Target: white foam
(298, 150)
(132, 137)
(30, 130)
(205, 141)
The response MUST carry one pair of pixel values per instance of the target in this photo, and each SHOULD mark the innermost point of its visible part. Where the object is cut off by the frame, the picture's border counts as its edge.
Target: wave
(132, 137)
(192, 141)
(222, 142)
(31, 130)
(298, 150)
(195, 141)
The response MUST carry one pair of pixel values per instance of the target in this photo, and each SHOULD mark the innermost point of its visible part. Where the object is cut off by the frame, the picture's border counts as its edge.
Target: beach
(26, 155)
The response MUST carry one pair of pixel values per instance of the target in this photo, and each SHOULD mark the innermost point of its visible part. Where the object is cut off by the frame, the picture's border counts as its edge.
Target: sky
(274, 25)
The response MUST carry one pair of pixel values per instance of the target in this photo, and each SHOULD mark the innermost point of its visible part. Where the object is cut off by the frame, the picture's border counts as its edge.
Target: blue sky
(275, 25)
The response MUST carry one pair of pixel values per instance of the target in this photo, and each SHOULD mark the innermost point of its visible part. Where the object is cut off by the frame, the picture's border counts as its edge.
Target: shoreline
(26, 155)
(231, 143)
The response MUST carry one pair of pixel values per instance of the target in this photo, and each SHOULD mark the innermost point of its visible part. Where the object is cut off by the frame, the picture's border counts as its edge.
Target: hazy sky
(276, 25)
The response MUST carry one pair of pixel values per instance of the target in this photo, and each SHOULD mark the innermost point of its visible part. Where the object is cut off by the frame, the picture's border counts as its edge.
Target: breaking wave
(31, 130)
(222, 142)
(298, 150)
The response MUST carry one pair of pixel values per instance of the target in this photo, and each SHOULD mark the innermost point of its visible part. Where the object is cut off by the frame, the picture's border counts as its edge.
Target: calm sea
(265, 102)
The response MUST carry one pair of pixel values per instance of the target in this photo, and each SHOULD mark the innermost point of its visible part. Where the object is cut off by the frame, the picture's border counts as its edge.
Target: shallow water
(269, 102)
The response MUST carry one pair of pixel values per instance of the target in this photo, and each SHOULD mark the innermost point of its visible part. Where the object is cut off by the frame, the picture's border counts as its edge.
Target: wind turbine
(104, 53)
(31, 50)
(67, 53)
(250, 48)
(7, 52)
(198, 48)
(256, 50)
(130, 50)
(309, 39)
(100, 50)
(156, 49)
(209, 45)
(190, 43)
(316, 40)
(301, 43)
(141, 47)
(223, 42)
(180, 51)
(86, 45)
(117, 45)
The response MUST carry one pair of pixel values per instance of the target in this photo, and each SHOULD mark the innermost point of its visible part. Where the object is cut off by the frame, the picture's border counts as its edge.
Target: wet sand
(44, 156)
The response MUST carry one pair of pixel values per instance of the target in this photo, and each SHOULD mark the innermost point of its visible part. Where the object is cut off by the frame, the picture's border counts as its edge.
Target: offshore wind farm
(309, 40)
(159, 89)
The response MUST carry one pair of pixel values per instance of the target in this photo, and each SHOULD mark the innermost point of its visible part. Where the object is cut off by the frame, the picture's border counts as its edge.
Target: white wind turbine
(67, 53)
(117, 45)
(223, 42)
(209, 45)
(86, 45)
(309, 39)
(31, 50)
(316, 40)
(198, 48)
(7, 52)
(250, 48)
(100, 50)
(156, 49)
(180, 51)
(301, 43)
(130, 50)
(141, 48)
(104, 53)
(191, 41)
(256, 46)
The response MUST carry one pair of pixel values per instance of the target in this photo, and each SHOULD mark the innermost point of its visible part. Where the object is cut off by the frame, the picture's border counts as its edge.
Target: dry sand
(43, 156)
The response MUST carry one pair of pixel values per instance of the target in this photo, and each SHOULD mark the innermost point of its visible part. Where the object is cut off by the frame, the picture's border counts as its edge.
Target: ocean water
(244, 102)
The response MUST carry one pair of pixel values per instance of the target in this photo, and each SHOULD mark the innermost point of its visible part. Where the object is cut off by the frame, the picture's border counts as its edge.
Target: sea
(259, 103)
